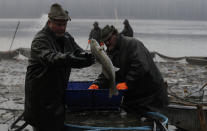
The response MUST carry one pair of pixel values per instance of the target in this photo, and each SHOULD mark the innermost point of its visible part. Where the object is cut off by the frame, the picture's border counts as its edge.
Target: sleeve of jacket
(138, 66)
(42, 52)
(76, 48)
(124, 31)
(131, 32)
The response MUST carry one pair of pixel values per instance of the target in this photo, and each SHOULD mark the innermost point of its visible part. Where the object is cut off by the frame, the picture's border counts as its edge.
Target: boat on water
(11, 54)
(192, 60)
(184, 116)
(202, 61)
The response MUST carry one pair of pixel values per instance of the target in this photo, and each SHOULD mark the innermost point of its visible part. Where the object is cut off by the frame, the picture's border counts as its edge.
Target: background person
(53, 53)
(127, 31)
(95, 32)
(146, 90)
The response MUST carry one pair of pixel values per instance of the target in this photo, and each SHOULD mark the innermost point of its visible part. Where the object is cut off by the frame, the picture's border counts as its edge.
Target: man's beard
(59, 34)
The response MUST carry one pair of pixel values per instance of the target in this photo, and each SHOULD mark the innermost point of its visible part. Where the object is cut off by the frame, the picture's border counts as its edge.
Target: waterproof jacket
(95, 34)
(136, 67)
(47, 77)
(127, 31)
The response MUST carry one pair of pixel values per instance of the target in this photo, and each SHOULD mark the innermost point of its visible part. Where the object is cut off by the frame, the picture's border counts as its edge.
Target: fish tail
(113, 91)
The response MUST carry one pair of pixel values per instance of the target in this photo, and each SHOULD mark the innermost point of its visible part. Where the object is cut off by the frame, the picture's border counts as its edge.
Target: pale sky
(136, 9)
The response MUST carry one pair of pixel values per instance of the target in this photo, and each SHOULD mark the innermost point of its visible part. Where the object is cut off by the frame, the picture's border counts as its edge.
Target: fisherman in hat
(127, 31)
(137, 74)
(95, 33)
(53, 53)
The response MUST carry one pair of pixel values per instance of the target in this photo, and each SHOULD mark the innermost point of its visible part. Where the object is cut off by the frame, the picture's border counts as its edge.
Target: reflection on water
(107, 119)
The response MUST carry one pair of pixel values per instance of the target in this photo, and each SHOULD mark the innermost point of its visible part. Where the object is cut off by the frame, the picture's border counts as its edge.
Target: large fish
(107, 67)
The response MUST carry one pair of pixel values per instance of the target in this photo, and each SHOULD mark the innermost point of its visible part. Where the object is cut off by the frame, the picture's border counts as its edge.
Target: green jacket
(127, 31)
(47, 78)
(145, 83)
(95, 34)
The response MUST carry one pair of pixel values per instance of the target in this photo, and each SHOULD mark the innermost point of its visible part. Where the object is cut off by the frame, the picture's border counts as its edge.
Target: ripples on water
(107, 119)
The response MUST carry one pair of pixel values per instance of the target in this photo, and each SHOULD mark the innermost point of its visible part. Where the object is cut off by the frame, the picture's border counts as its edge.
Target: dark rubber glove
(78, 60)
(90, 58)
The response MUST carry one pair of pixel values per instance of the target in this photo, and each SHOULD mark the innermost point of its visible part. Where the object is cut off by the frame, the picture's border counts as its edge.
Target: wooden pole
(201, 117)
(14, 35)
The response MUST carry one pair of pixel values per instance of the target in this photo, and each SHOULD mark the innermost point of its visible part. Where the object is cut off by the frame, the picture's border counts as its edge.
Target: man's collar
(118, 42)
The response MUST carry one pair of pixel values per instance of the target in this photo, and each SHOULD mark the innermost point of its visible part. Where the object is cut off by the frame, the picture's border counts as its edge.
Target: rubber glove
(80, 60)
(90, 58)
(93, 87)
(75, 59)
(122, 86)
(88, 55)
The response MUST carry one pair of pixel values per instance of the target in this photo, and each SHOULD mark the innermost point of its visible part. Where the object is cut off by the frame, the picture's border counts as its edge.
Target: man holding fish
(53, 53)
(137, 74)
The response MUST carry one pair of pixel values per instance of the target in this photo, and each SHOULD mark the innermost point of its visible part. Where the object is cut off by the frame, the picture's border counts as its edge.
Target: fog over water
(132, 9)
(183, 32)
(169, 37)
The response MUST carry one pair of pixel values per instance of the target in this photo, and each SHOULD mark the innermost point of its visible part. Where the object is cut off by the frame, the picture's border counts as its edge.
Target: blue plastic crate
(79, 97)
(79, 85)
(102, 100)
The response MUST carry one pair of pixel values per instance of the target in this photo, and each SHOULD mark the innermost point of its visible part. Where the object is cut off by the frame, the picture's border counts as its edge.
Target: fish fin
(113, 90)
(116, 68)
(116, 92)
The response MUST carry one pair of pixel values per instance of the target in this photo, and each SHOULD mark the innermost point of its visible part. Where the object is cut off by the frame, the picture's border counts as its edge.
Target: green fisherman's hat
(58, 13)
(126, 22)
(95, 23)
(107, 31)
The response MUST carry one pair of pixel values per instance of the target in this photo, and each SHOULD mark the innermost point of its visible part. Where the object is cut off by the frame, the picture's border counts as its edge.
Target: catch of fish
(107, 67)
